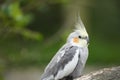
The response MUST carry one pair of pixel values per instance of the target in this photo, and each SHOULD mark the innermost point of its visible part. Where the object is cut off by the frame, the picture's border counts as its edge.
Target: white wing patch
(69, 68)
(59, 57)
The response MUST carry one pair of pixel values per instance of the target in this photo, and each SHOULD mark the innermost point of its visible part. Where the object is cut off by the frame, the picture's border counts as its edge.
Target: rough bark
(103, 74)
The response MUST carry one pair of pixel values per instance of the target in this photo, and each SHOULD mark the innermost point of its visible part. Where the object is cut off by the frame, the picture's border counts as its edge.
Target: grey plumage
(70, 60)
(54, 66)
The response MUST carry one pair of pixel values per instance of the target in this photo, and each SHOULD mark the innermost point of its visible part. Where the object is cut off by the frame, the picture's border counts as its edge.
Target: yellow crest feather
(80, 26)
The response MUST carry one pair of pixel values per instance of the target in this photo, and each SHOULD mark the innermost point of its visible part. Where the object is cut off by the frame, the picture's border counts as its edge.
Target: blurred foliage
(20, 22)
(14, 20)
(23, 26)
(16, 15)
(105, 24)
(26, 28)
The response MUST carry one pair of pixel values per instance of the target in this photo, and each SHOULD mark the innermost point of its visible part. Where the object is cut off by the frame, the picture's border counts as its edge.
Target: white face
(79, 39)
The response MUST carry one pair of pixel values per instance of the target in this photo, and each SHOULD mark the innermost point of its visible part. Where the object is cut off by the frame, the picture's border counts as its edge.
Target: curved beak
(87, 39)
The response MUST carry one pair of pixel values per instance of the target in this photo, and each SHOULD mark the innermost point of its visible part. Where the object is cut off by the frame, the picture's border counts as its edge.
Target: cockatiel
(69, 61)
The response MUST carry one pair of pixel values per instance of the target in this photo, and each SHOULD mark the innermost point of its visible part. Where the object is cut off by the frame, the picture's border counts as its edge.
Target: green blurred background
(31, 31)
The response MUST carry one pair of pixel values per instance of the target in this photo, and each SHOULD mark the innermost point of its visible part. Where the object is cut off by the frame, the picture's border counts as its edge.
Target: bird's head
(80, 36)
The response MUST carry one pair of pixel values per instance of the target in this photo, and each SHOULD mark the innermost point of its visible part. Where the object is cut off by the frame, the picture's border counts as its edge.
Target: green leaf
(32, 35)
(24, 21)
(15, 11)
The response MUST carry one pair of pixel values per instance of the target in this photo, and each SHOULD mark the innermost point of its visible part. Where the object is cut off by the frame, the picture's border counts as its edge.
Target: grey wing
(57, 56)
(58, 62)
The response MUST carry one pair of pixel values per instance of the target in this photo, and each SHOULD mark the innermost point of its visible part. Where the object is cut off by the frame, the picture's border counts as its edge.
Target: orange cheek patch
(76, 40)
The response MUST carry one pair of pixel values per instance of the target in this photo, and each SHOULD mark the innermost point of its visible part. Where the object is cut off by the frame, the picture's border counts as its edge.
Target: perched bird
(69, 61)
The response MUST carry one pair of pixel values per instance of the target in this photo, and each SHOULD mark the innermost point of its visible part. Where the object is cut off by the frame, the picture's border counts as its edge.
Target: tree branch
(103, 74)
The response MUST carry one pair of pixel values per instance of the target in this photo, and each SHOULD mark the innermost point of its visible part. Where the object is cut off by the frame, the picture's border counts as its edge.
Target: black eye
(79, 37)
